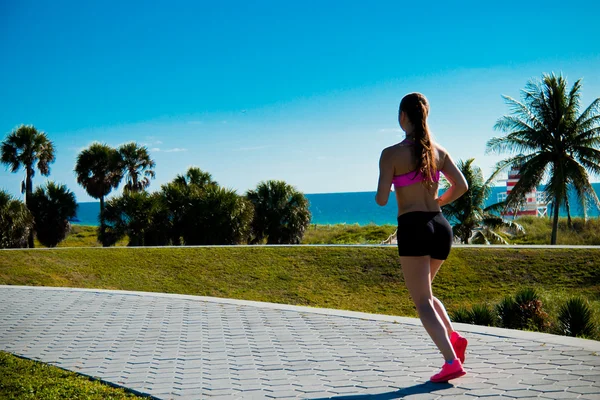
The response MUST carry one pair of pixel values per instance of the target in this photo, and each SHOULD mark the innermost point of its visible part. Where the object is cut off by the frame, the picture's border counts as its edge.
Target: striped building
(534, 203)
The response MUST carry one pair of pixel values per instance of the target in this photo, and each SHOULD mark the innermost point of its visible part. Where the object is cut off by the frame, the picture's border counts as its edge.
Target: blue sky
(306, 92)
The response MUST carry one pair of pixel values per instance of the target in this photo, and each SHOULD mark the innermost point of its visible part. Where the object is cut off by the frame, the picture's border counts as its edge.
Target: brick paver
(179, 347)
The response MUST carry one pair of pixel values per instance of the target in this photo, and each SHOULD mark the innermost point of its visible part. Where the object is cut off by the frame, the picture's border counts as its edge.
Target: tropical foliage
(195, 177)
(99, 170)
(52, 206)
(281, 213)
(191, 210)
(552, 141)
(16, 222)
(137, 166)
(472, 221)
(216, 215)
(26, 147)
(140, 216)
(575, 318)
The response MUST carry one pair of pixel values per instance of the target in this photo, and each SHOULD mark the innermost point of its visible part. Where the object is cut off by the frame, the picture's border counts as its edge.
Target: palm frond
(479, 238)
(515, 142)
(532, 173)
(589, 115)
(527, 113)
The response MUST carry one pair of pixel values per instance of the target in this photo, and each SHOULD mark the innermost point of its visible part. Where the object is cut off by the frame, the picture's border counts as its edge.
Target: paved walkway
(172, 346)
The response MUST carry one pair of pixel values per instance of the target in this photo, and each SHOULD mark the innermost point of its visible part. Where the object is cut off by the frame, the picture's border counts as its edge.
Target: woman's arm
(386, 174)
(458, 183)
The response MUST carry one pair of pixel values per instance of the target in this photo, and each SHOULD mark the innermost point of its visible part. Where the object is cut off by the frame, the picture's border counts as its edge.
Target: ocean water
(347, 208)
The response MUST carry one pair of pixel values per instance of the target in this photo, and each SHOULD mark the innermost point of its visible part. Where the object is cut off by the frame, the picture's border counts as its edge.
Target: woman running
(424, 236)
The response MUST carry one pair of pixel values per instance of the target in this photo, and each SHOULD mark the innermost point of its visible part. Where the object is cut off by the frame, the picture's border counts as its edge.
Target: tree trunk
(555, 220)
(28, 193)
(102, 219)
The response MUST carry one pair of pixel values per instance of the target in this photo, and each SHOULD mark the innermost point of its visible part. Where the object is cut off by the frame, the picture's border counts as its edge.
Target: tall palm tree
(138, 167)
(23, 148)
(16, 222)
(472, 221)
(281, 213)
(52, 206)
(99, 171)
(553, 140)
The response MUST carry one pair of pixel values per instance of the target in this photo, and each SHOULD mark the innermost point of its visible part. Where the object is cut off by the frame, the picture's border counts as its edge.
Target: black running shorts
(422, 233)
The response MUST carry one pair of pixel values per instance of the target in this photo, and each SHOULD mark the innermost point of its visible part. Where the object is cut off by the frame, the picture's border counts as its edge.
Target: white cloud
(155, 149)
(158, 142)
(175, 150)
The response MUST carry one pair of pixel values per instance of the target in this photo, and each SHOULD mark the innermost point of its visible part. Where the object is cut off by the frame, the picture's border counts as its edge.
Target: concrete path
(172, 346)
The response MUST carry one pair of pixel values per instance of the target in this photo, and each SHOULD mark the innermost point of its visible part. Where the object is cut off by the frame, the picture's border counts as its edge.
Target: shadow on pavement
(421, 388)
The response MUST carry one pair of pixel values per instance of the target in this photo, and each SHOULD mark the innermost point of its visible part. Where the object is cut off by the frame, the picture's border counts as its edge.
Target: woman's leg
(439, 307)
(417, 276)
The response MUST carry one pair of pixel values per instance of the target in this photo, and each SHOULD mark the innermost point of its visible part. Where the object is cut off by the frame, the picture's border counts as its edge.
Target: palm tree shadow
(427, 387)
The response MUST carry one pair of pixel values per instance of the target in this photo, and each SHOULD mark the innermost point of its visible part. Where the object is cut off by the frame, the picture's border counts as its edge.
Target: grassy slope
(30, 380)
(353, 278)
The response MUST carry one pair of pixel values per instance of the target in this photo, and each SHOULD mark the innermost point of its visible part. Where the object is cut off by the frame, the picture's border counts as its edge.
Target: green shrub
(52, 206)
(138, 215)
(509, 314)
(281, 213)
(524, 311)
(16, 222)
(575, 318)
(482, 314)
(462, 315)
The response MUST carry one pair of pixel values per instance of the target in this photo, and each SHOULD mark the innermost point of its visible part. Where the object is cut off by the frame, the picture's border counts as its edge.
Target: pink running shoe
(459, 344)
(449, 371)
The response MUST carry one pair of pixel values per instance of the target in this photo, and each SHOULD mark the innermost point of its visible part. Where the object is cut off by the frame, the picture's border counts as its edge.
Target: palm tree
(215, 216)
(472, 221)
(137, 166)
(141, 216)
(23, 148)
(52, 206)
(99, 171)
(16, 222)
(553, 140)
(281, 213)
(177, 197)
(195, 176)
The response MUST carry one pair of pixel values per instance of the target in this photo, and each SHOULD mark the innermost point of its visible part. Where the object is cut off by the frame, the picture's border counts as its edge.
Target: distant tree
(52, 206)
(99, 171)
(472, 221)
(216, 216)
(281, 213)
(195, 177)
(203, 213)
(177, 195)
(551, 139)
(141, 216)
(26, 147)
(138, 167)
(15, 222)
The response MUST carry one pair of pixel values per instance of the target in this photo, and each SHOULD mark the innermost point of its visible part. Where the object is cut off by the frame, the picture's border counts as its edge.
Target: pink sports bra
(412, 177)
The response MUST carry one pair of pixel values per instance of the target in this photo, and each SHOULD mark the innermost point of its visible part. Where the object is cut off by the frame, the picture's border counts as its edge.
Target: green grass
(352, 278)
(30, 380)
(347, 234)
(539, 231)
(82, 236)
